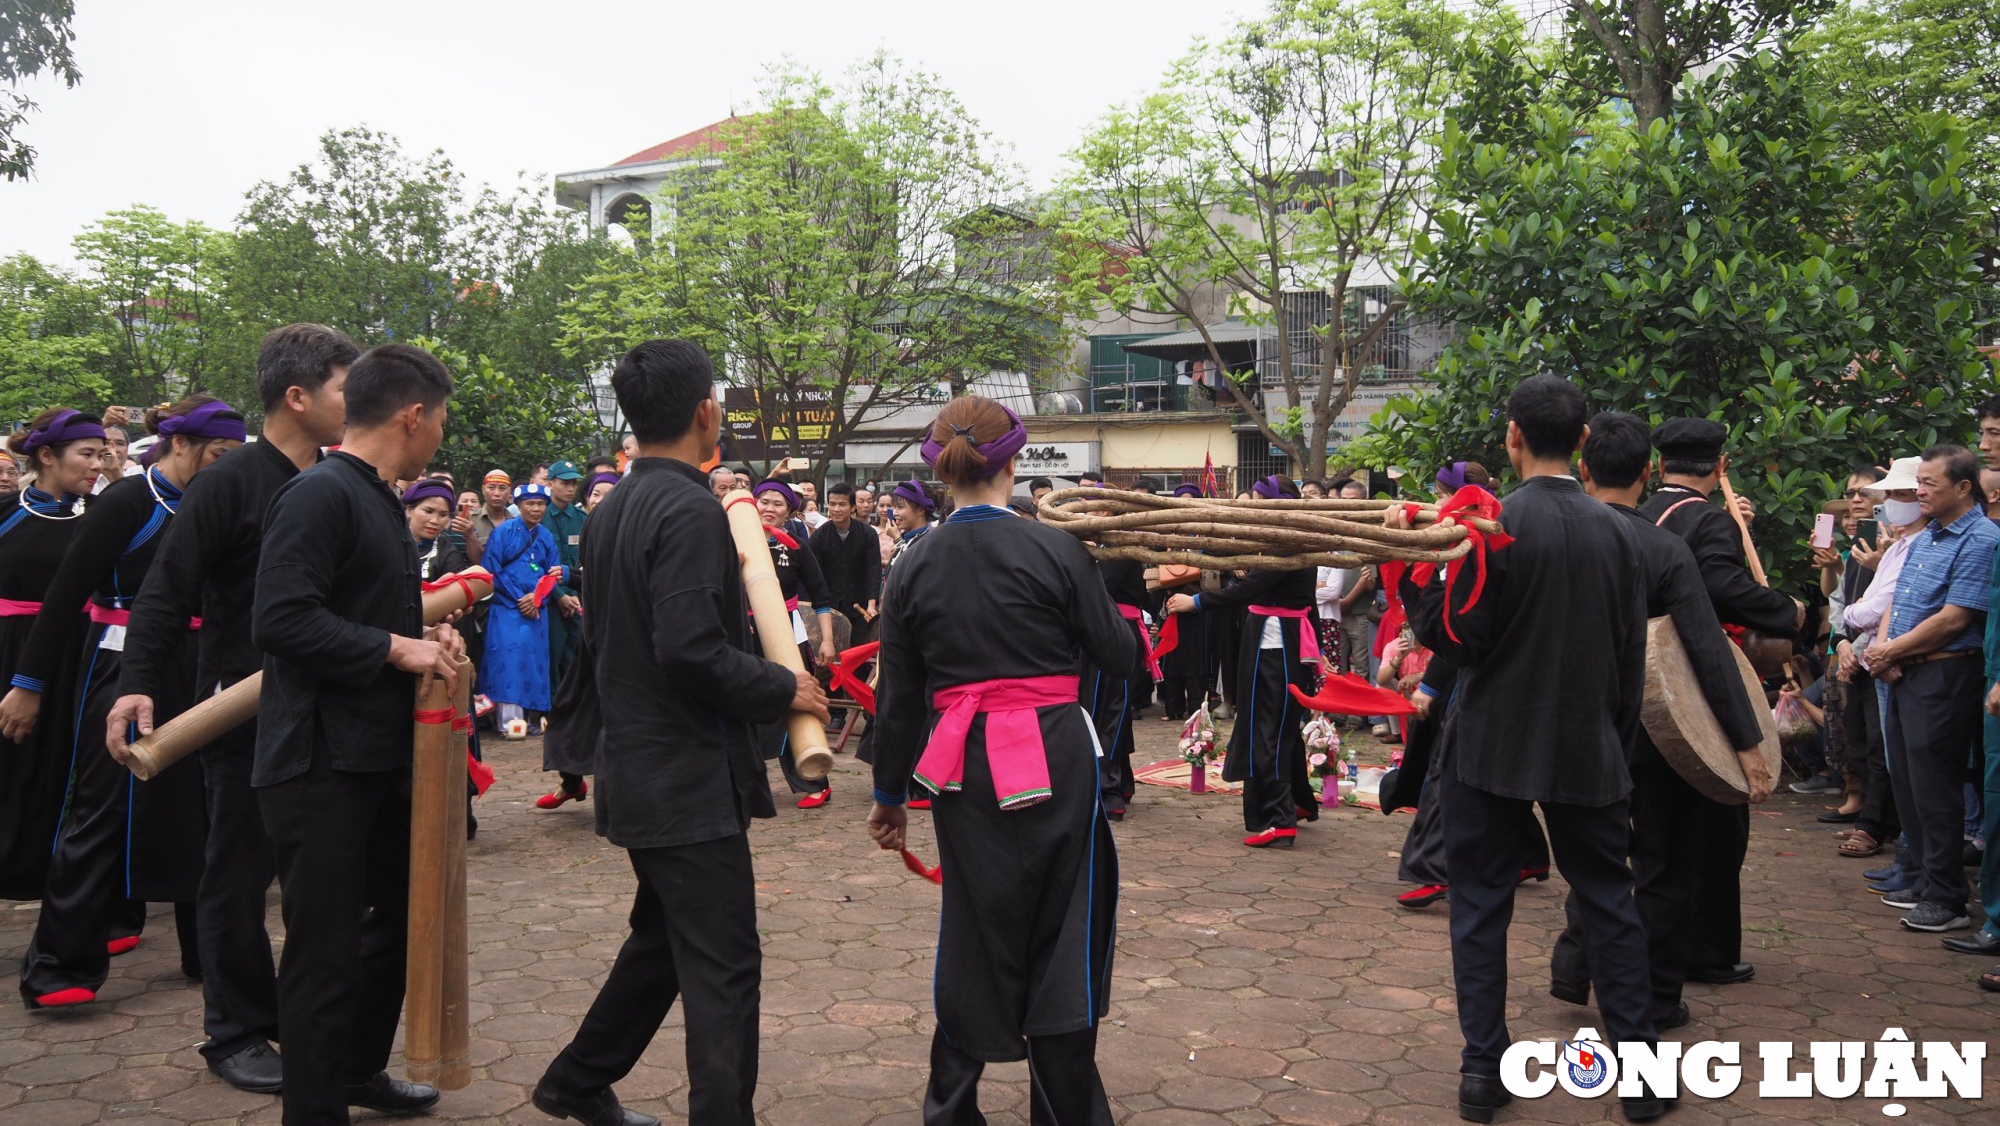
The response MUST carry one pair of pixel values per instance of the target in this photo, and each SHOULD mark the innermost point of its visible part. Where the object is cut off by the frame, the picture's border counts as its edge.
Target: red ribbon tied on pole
(1473, 501)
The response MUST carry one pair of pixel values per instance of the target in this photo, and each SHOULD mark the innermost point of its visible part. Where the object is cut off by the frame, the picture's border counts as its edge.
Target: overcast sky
(185, 104)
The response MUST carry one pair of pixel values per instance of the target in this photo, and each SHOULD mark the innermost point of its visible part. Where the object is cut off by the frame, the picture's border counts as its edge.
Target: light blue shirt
(1947, 566)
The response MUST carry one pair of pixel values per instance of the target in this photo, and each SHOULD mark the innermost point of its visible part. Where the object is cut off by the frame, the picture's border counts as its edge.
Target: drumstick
(1751, 557)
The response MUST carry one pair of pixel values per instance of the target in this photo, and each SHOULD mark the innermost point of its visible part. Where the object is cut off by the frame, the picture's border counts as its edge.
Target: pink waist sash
(1308, 636)
(1133, 615)
(11, 608)
(106, 616)
(1014, 749)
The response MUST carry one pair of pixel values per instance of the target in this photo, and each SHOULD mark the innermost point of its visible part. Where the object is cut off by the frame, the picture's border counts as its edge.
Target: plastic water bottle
(1353, 770)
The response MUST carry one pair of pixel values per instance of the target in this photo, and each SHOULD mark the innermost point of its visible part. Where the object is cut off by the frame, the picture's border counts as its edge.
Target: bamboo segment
(431, 793)
(237, 704)
(455, 1038)
(774, 626)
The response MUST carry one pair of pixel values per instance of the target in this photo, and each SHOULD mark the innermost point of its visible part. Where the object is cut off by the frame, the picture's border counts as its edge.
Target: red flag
(1209, 486)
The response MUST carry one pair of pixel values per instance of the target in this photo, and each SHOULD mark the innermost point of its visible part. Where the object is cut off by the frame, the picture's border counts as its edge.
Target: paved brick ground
(1251, 987)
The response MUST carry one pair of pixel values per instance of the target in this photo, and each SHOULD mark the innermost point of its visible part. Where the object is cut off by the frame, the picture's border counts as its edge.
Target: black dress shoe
(391, 1096)
(1676, 1019)
(1722, 975)
(256, 1069)
(601, 1109)
(1646, 1107)
(1574, 992)
(1479, 1096)
(1838, 818)
(1981, 941)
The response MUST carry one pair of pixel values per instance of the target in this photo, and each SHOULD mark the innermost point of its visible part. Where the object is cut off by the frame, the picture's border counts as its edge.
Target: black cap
(1690, 439)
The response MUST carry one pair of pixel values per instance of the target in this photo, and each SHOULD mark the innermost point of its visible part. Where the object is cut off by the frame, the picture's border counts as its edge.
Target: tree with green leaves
(384, 247)
(844, 246)
(508, 419)
(1643, 50)
(160, 286)
(1282, 172)
(35, 38)
(52, 340)
(1735, 263)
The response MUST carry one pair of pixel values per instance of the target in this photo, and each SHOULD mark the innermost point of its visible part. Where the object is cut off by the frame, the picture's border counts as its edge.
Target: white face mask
(1901, 512)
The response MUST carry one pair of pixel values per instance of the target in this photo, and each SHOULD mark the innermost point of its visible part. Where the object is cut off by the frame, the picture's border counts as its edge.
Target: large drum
(1677, 717)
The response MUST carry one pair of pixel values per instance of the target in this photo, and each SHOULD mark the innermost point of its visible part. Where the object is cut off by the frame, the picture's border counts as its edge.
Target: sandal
(1860, 845)
(1990, 980)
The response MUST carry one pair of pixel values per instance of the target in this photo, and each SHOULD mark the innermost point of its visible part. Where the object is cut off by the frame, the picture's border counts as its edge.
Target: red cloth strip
(1170, 638)
(934, 875)
(546, 584)
(1138, 618)
(480, 773)
(1308, 627)
(10, 608)
(844, 678)
(434, 715)
(1348, 694)
(779, 535)
(1015, 754)
(454, 579)
(194, 624)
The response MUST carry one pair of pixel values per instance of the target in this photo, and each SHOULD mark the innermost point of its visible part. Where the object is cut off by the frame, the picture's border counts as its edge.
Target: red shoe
(1423, 896)
(1527, 874)
(1307, 814)
(814, 801)
(920, 803)
(119, 946)
(60, 999)
(1272, 838)
(555, 798)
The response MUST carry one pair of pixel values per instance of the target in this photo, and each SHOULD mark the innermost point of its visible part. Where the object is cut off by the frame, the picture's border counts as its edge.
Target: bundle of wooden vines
(1267, 535)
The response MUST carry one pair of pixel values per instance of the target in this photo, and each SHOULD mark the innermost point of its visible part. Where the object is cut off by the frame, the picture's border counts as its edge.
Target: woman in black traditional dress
(1279, 647)
(428, 504)
(983, 627)
(119, 842)
(1112, 695)
(64, 450)
(798, 573)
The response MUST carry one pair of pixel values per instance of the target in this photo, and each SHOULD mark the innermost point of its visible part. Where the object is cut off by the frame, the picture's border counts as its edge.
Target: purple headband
(1187, 490)
(779, 487)
(421, 491)
(601, 479)
(995, 452)
(916, 494)
(1452, 477)
(1270, 488)
(68, 426)
(209, 420)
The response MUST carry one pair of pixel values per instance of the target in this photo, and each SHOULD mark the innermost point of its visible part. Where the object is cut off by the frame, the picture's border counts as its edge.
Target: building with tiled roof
(620, 192)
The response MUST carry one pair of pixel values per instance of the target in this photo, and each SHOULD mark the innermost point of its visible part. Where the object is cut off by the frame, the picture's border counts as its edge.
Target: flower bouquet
(1323, 755)
(1198, 748)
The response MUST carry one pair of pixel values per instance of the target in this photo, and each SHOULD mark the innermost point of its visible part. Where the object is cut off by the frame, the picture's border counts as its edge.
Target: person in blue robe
(519, 553)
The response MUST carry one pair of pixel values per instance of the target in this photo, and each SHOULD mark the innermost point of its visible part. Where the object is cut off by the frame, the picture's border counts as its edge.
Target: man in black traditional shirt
(1691, 466)
(850, 556)
(339, 616)
(678, 693)
(1668, 842)
(1552, 669)
(206, 568)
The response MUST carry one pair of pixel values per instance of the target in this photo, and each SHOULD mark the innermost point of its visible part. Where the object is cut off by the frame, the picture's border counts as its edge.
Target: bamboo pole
(202, 724)
(455, 1038)
(431, 778)
(774, 626)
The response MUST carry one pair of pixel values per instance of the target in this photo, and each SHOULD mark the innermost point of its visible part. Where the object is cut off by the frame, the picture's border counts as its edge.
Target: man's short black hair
(1688, 467)
(1990, 408)
(1875, 472)
(300, 355)
(840, 489)
(1040, 483)
(1619, 449)
(1082, 477)
(599, 461)
(1146, 485)
(389, 377)
(1549, 410)
(659, 384)
(1960, 464)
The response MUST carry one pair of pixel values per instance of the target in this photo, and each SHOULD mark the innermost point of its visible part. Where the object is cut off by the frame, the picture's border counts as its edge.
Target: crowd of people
(1005, 669)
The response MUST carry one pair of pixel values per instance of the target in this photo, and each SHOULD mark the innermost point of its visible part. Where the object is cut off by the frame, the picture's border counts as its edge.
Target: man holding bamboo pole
(678, 693)
(205, 570)
(339, 617)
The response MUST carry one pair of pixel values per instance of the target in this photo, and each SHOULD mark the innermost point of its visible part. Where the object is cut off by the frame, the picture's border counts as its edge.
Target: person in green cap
(565, 523)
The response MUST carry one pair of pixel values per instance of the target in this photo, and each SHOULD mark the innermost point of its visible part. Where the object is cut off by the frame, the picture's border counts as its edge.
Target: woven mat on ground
(1175, 773)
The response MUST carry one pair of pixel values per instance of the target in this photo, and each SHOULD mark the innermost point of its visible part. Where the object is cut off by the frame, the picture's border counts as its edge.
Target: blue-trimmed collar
(46, 503)
(1959, 526)
(973, 512)
(167, 488)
